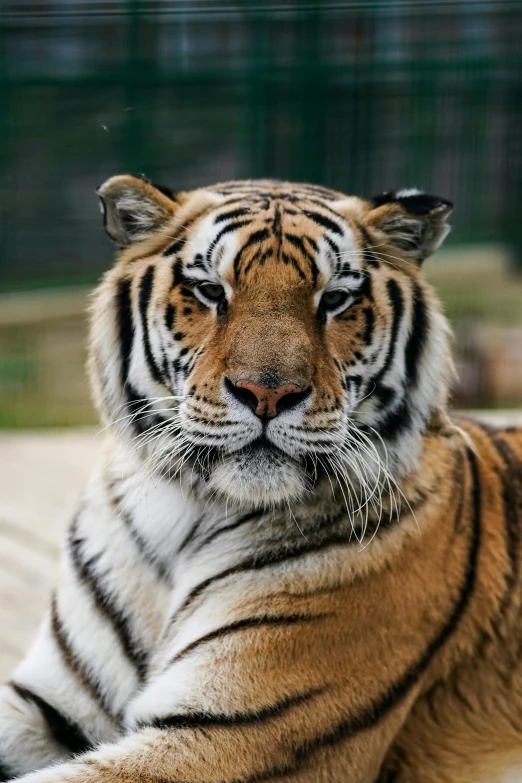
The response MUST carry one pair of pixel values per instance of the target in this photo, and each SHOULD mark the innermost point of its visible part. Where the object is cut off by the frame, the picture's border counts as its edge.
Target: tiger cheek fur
(291, 563)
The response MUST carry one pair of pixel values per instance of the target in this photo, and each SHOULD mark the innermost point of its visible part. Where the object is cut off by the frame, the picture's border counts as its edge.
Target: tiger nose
(263, 400)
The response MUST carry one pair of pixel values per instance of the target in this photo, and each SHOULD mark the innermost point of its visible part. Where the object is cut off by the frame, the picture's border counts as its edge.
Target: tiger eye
(332, 299)
(212, 291)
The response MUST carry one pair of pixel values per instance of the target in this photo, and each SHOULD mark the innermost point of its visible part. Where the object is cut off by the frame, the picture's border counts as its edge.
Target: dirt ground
(41, 477)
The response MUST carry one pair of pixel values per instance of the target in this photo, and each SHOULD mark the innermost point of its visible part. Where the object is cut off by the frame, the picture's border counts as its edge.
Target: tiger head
(258, 339)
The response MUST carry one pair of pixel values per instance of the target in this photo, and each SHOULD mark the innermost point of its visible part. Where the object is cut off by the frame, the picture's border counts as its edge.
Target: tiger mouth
(263, 450)
(261, 458)
(262, 445)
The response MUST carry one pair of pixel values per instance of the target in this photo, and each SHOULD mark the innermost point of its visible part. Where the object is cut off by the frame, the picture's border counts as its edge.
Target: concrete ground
(41, 477)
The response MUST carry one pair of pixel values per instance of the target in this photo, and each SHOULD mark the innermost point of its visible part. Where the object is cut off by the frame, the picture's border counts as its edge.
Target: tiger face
(263, 339)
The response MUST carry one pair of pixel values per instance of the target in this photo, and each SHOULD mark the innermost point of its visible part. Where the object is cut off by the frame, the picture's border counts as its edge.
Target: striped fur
(332, 594)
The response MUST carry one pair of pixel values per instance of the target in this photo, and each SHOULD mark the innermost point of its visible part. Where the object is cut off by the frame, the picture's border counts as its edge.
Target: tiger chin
(291, 564)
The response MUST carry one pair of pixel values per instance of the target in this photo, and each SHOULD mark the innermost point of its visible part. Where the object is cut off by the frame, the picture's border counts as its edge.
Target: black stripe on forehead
(231, 214)
(228, 229)
(325, 222)
(259, 258)
(319, 190)
(255, 238)
(276, 222)
(367, 248)
(229, 200)
(336, 250)
(288, 259)
(198, 262)
(175, 247)
(180, 234)
(334, 214)
(298, 243)
(277, 187)
(240, 187)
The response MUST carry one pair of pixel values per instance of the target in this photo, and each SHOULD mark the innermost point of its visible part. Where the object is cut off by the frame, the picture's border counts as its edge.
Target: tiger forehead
(287, 228)
(270, 188)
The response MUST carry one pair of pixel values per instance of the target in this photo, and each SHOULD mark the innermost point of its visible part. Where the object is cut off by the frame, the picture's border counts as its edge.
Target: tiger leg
(257, 687)
(70, 692)
(225, 730)
(40, 711)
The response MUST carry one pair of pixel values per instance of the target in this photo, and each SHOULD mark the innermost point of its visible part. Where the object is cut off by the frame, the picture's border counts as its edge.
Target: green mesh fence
(360, 96)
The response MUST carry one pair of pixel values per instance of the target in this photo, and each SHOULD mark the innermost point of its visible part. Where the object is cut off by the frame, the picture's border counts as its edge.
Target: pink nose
(268, 398)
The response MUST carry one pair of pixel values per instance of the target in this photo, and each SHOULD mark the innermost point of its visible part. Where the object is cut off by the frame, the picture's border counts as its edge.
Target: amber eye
(212, 291)
(331, 300)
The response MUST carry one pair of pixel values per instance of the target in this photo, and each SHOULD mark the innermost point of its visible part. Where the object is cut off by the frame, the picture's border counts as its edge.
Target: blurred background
(359, 96)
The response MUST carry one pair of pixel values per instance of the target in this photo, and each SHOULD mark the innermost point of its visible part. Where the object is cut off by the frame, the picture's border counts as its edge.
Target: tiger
(292, 563)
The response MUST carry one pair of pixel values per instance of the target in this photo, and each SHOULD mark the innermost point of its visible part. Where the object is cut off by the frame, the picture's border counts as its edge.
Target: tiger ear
(413, 222)
(133, 208)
